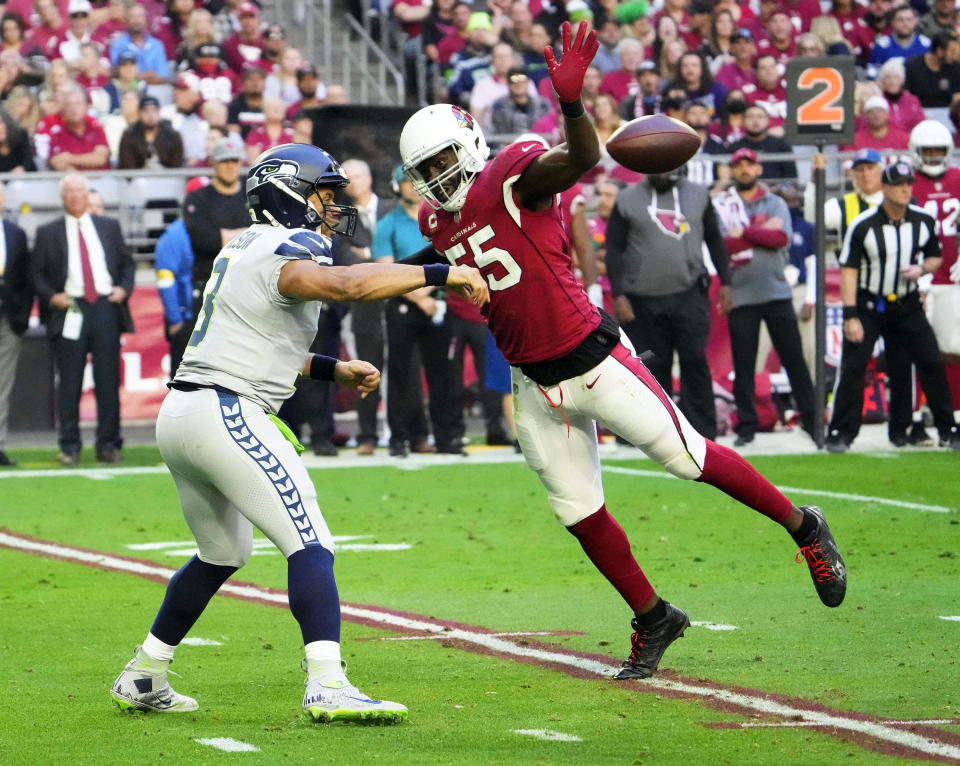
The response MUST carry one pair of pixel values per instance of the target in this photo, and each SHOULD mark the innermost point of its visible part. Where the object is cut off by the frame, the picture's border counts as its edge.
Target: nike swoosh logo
(591, 385)
(361, 699)
(527, 148)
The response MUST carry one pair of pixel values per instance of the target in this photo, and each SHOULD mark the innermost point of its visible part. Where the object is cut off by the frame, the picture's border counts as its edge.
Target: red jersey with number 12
(940, 197)
(538, 310)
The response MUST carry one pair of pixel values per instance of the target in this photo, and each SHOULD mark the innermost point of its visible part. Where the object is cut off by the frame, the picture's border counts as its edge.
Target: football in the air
(653, 144)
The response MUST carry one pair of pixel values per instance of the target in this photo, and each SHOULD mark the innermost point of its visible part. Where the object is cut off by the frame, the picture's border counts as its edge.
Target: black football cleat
(824, 560)
(649, 643)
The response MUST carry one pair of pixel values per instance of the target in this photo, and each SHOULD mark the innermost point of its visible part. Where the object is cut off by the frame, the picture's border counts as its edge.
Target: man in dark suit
(16, 298)
(83, 274)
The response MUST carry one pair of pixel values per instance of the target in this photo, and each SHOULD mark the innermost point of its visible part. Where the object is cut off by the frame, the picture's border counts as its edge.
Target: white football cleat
(342, 701)
(143, 685)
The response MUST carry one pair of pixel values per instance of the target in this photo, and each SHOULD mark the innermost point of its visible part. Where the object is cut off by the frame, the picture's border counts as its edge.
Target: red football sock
(607, 546)
(729, 472)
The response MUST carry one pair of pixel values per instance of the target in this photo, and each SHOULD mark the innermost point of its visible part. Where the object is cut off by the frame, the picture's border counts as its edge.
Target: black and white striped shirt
(879, 247)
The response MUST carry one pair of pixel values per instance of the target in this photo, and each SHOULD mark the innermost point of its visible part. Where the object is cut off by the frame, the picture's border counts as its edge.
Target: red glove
(567, 76)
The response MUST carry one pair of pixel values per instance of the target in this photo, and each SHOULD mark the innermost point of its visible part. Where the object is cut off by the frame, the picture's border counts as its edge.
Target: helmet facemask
(434, 192)
(933, 166)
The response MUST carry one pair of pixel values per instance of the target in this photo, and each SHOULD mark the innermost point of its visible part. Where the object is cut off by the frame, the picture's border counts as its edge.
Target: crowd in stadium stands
(118, 84)
(99, 84)
(79, 80)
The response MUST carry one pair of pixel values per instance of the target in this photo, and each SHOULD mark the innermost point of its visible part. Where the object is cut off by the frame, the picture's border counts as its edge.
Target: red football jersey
(941, 198)
(538, 311)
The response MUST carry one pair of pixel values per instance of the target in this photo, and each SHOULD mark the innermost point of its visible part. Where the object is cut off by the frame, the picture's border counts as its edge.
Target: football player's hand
(567, 75)
(468, 282)
(356, 373)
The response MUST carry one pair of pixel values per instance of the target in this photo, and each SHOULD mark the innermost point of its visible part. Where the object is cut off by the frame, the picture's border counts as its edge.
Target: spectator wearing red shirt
(78, 142)
(170, 28)
(879, 17)
(849, 15)
(779, 40)
(906, 112)
(272, 133)
(50, 28)
(801, 13)
(308, 81)
(622, 82)
(677, 10)
(34, 64)
(66, 45)
(740, 72)
(410, 14)
(770, 93)
(758, 24)
(877, 132)
(455, 40)
(699, 18)
(245, 48)
(215, 80)
(92, 77)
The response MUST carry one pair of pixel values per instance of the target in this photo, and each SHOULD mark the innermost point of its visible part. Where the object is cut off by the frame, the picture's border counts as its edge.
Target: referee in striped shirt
(885, 251)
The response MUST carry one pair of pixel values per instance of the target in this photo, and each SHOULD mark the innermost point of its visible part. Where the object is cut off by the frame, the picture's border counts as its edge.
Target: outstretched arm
(561, 167)
(308, 281)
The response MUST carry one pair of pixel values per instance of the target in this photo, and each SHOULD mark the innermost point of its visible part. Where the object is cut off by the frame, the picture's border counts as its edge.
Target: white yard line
(227, 745)
(548, 735)
(798, 490)
(416, 463)
(550, 657)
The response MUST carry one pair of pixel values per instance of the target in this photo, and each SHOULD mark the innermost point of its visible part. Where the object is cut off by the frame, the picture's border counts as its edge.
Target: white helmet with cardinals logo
(430, 131)
(930, 134)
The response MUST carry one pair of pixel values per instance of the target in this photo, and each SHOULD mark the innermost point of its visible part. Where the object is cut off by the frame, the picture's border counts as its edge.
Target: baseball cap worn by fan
(876, 102)
(743, 154)
(146, 101)
(126, 57)
(741, 34)
(79, 6)
(865, 156)
(247, 9)
(630, 11)
(479, 21)
(228, 148)
(898, 173)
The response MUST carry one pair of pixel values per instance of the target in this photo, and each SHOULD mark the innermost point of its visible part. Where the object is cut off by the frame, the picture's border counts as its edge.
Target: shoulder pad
(306, 244)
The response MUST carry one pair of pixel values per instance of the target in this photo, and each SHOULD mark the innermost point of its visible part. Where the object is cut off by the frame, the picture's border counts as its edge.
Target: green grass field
(486, 553)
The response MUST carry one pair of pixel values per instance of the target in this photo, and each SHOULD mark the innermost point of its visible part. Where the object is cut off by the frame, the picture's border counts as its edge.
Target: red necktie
(90, 294)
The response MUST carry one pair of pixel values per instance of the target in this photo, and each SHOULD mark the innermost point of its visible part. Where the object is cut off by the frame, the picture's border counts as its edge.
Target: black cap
(741, 34)
(700, 6)
(146, 101)
(898, 173)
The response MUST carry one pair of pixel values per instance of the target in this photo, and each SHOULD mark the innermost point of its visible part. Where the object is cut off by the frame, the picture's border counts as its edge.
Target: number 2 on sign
(823, 108)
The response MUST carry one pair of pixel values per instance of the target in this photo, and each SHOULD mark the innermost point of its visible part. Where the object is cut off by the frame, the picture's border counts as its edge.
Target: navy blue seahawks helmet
(281, 181)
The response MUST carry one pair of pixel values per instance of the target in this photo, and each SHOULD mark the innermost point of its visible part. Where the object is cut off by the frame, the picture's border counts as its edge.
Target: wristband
(850, 312)
(435, 274)
(323, 367)
(572, 109)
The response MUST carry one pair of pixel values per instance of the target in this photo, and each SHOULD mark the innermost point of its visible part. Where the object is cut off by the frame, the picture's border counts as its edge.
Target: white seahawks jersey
(249, 338)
